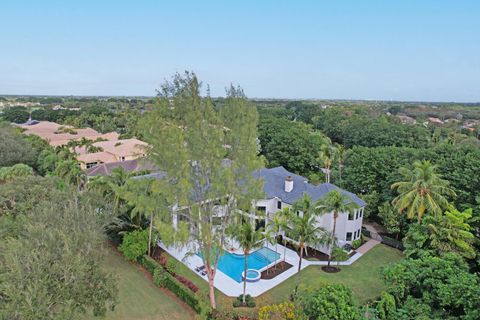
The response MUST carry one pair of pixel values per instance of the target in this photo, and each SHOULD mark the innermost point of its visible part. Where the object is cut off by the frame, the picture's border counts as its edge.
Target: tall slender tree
(249, 239)
(304, 226)
(335, 202)
(422, 190)
(208, 155)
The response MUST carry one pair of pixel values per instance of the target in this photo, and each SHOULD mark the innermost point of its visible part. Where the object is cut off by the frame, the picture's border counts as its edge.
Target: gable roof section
(274, 186)
(105, 169)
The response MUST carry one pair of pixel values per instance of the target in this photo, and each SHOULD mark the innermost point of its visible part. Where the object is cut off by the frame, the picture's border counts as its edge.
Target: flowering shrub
(283, 311)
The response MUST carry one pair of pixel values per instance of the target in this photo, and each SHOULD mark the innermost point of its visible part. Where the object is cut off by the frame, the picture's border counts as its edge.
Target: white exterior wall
(326, 221)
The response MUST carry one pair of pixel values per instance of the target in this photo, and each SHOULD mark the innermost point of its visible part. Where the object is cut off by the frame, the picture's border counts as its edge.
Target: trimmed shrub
(134, 244)
(164, 279)
(149, 263)
(356, 243)
(248, 301)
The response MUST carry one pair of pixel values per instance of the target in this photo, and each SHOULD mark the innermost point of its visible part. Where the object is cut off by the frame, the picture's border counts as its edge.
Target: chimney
(288, 184)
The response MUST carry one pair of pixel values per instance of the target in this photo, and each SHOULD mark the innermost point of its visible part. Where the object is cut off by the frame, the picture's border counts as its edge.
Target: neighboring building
(111, 151)
(435, 120)
(135, 165)
(283, 188)
(406, 119)
(109, 148)
(58, 135)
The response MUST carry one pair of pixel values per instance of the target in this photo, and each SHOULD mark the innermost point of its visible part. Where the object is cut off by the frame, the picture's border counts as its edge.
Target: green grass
(363, 277)
(138, 297)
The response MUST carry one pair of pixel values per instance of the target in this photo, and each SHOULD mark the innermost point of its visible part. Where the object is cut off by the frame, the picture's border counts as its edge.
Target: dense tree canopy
(433, 287)
(290, 144)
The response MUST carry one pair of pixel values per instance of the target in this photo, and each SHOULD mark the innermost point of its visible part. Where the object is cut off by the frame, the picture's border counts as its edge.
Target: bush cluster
(164, 279)
(248, 300)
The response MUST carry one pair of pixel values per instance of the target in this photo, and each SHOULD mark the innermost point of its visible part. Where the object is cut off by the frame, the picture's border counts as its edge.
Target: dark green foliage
(149, 263)
(15, 114)
(24, 194)
(50, 263)
(386, 308)
(440, 235)
(441, 288)
(362, 130)
(374, 170)
(15, 148)
(164, 279)
(334, 301)
(134, 244)
(249, 302)
(292, 145)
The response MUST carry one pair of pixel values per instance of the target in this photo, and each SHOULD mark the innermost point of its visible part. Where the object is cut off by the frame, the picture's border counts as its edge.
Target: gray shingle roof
(274, 186)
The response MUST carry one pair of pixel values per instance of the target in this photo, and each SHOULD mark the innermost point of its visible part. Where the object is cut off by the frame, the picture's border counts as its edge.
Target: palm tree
(249, 239)
(304, 228)
(339, 155)
(335, 202)
(275, 227)
(423, 190)
(326, 155)
(286, 216)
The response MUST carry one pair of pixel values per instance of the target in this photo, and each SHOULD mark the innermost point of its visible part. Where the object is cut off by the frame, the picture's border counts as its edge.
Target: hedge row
(164, 279)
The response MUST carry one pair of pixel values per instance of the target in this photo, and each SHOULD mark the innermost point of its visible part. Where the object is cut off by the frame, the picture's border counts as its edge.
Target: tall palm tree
(275, 227)
(285, 217)
(304, 228)
(325, 156)
(335, 202)
(423, 190)
(249, 239)
(339, 155)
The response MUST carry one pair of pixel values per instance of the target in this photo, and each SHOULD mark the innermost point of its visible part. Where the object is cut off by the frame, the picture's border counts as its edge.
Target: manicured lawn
(363, 277)
(139, 298)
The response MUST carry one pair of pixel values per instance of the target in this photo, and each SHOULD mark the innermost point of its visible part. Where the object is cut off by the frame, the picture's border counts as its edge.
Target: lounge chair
(199, 269)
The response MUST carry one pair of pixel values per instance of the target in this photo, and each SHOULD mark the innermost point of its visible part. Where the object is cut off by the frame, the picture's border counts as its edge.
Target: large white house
(283, 188)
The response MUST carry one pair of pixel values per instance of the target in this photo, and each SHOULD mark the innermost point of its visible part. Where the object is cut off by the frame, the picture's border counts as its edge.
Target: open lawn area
(139, 298)
(363, 277)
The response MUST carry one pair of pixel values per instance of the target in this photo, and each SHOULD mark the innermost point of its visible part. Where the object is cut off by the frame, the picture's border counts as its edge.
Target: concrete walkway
(231, 288)
(367, 246)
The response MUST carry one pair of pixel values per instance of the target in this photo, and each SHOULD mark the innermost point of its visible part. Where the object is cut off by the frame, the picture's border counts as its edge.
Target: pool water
(233, 264)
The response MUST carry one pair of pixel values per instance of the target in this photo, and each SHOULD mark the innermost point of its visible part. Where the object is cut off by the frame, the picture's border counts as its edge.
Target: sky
(412, 50)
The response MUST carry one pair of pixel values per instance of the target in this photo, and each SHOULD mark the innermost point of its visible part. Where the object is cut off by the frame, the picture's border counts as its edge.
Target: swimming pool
(233, 264)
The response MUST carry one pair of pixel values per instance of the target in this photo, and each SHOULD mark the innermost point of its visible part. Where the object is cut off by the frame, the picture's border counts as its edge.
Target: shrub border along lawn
(162, 278)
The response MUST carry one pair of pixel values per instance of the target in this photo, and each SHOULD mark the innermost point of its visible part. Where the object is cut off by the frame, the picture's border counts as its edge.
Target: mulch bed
(331, 269)
(272, 272)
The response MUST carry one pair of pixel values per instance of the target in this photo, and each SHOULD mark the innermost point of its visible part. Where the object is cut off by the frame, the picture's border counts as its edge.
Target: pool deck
(232, 288)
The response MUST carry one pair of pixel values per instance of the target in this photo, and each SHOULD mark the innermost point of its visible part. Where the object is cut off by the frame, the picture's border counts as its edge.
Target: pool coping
(232, 288)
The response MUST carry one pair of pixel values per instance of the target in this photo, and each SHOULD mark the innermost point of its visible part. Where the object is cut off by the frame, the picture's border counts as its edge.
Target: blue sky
(360, 49)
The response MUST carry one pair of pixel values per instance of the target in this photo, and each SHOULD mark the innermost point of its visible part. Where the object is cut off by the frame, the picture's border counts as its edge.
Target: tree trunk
(211, 293)
(301, 255)
(284, 249)
(333, 236)
(245, 276)
(276, 251)
(150, 235)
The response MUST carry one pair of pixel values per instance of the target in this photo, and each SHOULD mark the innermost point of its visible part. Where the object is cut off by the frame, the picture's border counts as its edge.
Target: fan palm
(249, 239)
(423, 190)
(335, 202)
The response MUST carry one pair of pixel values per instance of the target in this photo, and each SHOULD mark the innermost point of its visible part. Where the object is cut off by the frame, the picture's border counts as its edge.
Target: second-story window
(350, 215)
(279, 204)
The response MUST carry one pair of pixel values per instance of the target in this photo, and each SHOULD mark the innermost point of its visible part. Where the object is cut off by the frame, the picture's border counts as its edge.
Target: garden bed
(272, 272)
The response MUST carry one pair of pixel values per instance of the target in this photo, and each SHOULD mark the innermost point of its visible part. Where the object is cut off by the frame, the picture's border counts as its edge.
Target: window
(349, 236)
(356, 215)
(279, 204)
(361, 212)
(350, 216)
(91, 164)
(261, 210)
